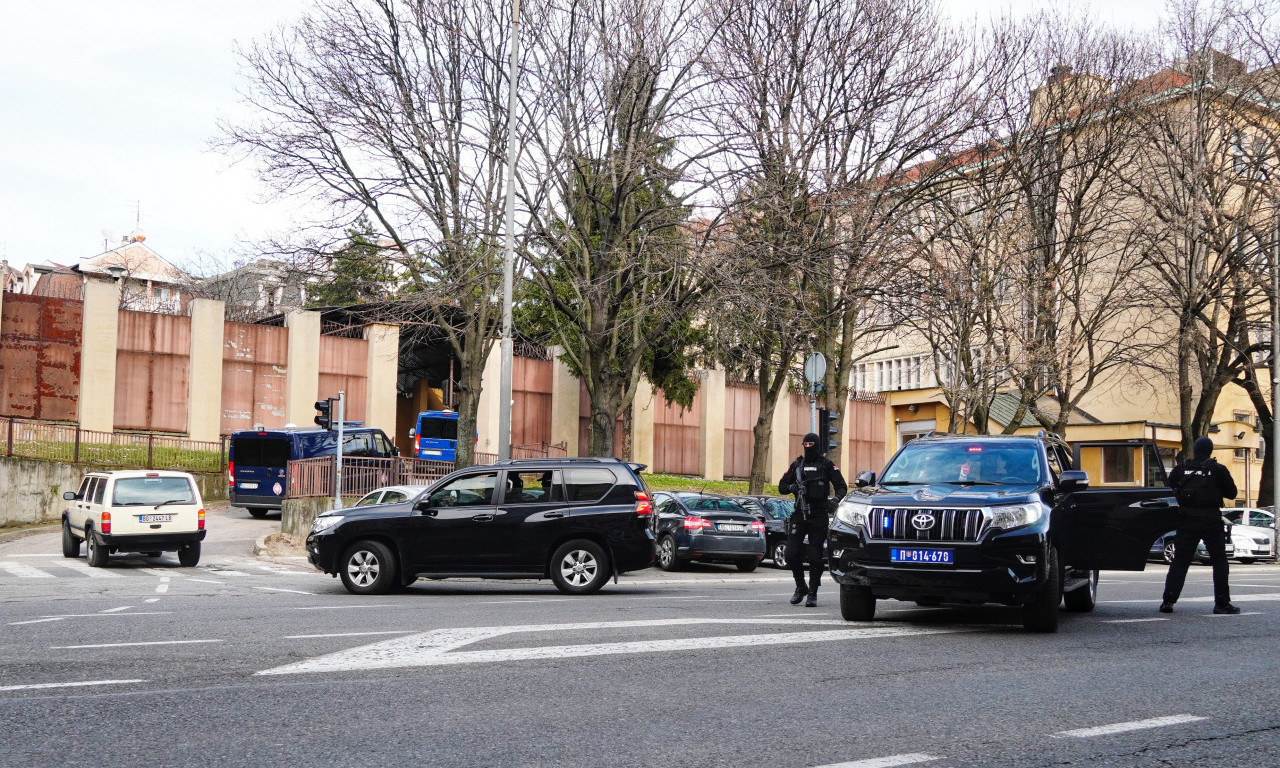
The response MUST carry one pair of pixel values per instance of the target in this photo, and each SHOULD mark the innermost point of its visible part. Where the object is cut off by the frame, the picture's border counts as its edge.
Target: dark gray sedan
(705, 527)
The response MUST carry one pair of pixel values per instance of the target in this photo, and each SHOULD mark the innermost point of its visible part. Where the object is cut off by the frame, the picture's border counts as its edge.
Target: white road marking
(51, 554)
(36, 621)
(351, 634)
(1225, 615)
(341, 607)
(278, 589)
(164, 575)
(114, 610)
(1135, 725)
(79, 567)
(152, 600)
(548, 600)
(885, 762)
(130, 645)
(162, 587)
(1266, 597)
(1130, 621)
(24, 571)
(208, 581)
(434, 648)
(107, 615)
(66, 685)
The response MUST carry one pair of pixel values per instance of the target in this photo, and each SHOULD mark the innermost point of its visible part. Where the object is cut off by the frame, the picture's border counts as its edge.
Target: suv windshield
(965, 462)
(149, 491)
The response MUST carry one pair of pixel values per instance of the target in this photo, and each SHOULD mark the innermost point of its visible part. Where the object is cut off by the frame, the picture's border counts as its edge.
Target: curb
(6, 537)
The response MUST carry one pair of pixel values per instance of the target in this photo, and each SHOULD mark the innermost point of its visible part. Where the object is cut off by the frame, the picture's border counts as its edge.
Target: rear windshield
(704, 504)
(260, 452)
(147, 491)
(438, 429)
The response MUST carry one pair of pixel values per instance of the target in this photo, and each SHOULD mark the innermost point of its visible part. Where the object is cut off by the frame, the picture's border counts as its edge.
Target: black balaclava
(811, 451)
(1202, 448)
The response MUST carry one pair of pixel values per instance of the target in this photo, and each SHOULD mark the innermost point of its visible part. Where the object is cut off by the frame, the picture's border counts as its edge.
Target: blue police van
(436, 435)
(257, 459)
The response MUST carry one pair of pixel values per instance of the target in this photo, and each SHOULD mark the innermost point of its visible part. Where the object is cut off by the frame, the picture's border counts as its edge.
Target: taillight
(696, 523)
(104, 523)
(757, 526)
(231, 474)
(200, 521)
(417, 444)
(643, 505)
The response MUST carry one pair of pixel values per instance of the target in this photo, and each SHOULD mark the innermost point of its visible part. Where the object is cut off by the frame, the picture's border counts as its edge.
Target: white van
(134, 510)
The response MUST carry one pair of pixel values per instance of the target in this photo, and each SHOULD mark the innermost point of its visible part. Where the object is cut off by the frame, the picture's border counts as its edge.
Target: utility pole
(508, 260)
(1272, 442)
(337, 475)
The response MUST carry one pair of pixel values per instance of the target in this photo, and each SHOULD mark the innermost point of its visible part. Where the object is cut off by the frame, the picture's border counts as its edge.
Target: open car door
(1112, 529)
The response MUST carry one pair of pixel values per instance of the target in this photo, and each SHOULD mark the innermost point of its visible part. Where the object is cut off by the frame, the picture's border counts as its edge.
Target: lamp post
(1275, 368)
(508, 259)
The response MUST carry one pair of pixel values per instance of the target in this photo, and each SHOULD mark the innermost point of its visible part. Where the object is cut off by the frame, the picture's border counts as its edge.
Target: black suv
(989, 519)
(578, 521)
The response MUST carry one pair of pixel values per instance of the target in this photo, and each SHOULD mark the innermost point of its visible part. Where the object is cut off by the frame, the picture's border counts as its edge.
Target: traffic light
(325, 418)
(827, 429)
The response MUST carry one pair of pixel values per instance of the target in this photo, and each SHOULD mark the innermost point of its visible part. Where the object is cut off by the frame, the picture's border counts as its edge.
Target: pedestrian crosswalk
(58, 567)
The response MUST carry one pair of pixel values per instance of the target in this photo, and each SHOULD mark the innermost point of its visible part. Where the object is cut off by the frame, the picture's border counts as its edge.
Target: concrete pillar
(642, 413)
(487, 410)
(780, 440)
(97, 403)
(384, 371)
(204, 386)
(302, 374)
(565, 391)
(711, 439)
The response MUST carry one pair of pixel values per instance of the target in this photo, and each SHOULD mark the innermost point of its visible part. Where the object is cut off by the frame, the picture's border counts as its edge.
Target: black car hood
(398, 509)
(943, 494)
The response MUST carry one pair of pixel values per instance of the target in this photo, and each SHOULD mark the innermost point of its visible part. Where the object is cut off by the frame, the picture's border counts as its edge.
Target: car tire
(668, 559)
(1168, 551)
(1248, 560)
(780, 554)
(579, 567)
(747, 566)
(857, 603)
(259, 513)
(929, 602)
(1041, 614)
(368, 568)
(1083, 599)
(97, 554)
(70, 544)
(189, 555)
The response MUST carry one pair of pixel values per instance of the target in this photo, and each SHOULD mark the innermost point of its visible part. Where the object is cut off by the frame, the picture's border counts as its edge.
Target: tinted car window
(469, 491)
(260, 452)
(369, 500)
(533, 487)
(588, 483)
(145, 491)
(85, 484)
(438, 429)
(752, 505)
(715, 505)
(99, 485)
(956, 461)
(779, 510)
(394, 497)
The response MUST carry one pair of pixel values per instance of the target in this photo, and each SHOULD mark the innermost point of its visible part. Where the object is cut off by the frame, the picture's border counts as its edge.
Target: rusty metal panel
(864, 425)
(344, 365)
(40, 357)
(531, 396)
(677, 436)
(254, 365)
(742, 408)
(153, 368)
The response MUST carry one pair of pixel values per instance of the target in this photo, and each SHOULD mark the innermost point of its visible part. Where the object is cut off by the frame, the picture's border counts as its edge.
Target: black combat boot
(797, 596)
(812, 602)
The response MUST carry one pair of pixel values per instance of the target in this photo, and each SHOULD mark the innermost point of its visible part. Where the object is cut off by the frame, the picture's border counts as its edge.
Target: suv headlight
(325, 522)
(1015, 516)
(853, 514)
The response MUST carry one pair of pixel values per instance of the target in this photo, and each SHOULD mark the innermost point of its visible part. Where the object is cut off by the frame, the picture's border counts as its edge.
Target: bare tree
(396, 110)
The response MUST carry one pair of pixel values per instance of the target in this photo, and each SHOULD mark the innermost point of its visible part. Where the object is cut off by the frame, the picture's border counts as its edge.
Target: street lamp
(508, 259)
(117, 271)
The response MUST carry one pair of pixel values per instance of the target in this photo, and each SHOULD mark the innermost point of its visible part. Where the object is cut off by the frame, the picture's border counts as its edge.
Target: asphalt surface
(244, 661)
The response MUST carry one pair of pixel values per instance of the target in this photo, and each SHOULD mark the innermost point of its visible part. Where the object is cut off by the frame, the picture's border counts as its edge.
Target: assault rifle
(801, 513)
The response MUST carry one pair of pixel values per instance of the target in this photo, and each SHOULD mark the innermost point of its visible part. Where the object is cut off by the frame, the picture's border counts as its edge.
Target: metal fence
(45, 441)
(314, 477)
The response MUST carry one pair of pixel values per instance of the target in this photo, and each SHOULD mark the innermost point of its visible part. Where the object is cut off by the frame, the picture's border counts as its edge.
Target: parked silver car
(1253, 531)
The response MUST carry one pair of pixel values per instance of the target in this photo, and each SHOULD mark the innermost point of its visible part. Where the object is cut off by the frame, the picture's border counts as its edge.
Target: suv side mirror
(864, 478)
(69, 495)
(1073, 480)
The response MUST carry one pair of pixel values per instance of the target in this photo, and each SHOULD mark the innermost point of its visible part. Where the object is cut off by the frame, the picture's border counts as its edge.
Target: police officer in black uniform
(1200, 484)
(811, 477)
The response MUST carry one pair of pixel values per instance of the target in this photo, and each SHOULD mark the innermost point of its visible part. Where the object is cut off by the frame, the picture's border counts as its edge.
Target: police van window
(260, 452)
(588, 483)
(318, 444)
(99, 486)
(382, 445)
(356, 444)
(438, 429)
(533, 487)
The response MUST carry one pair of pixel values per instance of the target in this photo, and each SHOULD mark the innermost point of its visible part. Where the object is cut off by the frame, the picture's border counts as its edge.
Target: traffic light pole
(337, 475)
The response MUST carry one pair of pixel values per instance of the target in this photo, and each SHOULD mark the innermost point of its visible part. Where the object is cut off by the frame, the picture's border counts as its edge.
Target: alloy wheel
(579, 567)
(363, 567)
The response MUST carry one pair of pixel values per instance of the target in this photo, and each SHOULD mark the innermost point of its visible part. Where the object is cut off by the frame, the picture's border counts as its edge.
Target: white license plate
(155, 518)
(732, 527)
(434, 453)
(248, 486)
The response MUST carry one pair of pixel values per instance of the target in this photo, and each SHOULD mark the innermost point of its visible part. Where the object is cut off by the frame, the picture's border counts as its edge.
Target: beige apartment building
(1128, 420)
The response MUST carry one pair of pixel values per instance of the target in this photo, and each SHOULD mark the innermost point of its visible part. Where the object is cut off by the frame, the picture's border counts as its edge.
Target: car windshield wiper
(901, 482)
(173, 501)
(972, 482)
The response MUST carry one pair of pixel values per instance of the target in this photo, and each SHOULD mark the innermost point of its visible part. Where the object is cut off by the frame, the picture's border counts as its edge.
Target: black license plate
(927, 556)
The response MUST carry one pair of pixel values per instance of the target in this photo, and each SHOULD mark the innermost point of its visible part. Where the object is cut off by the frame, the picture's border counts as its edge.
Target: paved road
(245, 662)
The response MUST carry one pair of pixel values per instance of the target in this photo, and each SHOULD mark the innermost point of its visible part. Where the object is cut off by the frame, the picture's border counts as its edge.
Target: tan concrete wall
(98, 356)
(383, 370)
(302, 376)
(204, 383)
(564, 403)
(642, 423)
(712, 433)
(490, 402)
(780, 440)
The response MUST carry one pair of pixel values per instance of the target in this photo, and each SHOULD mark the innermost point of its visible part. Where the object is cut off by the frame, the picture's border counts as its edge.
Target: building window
(1240, 454)
(1117, 464)
(1243, 417)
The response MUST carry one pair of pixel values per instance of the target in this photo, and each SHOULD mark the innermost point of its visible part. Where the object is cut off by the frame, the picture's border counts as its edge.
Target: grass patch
(660, 482)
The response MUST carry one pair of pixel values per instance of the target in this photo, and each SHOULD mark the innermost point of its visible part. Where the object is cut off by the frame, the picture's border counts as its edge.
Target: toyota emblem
(923, 521)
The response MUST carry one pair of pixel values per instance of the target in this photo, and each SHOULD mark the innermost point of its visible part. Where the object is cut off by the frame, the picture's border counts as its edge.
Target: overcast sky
(108, 109)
